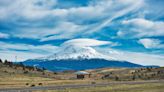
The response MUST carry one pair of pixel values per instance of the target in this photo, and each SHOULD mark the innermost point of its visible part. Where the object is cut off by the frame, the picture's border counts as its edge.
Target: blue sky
(35, 28)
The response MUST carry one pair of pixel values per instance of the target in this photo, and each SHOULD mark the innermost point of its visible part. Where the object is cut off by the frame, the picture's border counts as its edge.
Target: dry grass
(148, 87)
(16, 78)
(19, 81)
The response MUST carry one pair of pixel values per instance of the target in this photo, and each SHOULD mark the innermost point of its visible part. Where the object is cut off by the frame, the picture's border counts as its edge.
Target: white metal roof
(81, 72)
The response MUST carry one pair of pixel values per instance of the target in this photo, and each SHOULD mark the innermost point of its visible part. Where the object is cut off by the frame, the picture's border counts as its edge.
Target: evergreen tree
(1, 61)
(6, 62)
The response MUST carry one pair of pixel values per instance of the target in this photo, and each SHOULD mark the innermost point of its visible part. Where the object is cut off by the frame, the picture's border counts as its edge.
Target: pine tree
(1, 61)
(6, 62)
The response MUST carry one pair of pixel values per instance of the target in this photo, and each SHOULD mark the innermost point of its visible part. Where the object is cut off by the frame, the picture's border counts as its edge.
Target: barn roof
(81, 72)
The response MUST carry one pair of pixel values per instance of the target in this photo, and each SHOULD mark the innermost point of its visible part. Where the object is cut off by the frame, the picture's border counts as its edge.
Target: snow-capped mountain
(76, 52)
(74, 57)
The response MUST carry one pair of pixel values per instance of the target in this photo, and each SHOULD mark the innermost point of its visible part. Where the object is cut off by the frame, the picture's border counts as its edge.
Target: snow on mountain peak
(76, 52)
(78, 49)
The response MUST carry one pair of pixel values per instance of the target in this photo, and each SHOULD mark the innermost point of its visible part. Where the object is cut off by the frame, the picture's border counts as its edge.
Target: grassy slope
(11, 77)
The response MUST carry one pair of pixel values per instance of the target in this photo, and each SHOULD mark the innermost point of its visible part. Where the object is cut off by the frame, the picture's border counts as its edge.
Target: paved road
(30, 89)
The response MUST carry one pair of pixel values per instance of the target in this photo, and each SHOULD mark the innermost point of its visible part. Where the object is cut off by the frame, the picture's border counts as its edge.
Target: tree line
(20, 65)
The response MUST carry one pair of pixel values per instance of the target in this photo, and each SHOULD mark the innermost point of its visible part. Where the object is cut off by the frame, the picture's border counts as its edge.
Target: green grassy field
(147, 87)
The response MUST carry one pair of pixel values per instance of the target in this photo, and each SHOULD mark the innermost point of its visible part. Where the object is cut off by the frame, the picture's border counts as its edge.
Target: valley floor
(147, 87)
(122, 86)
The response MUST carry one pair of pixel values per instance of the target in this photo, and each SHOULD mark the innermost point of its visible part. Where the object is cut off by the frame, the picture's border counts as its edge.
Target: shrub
(33, 85)
(133, 78)
(116, 78)
(43, 73)
(55, 73)
(6, 71)
(40, 84)
(106, 76)
(27, 83)
(25, 72)
(93, 82)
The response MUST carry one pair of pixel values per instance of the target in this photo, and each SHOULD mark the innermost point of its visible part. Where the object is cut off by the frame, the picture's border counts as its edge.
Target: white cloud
(3, 35)
(154, 9)
(30, 9)
(25, 51)
(21, 56)
(142, 58)
(64, 30)
(36, 14)
(85, 42)
(134, 57)
(42, 49)
(139, 22)
(132, 6)
(151, 43)
(140, 27)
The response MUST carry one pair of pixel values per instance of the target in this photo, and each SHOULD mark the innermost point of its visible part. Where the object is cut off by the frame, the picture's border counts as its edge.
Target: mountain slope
(75, 64)
(77, 58)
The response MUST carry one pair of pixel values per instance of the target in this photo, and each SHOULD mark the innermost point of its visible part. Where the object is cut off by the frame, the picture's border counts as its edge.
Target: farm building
(82, 75)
